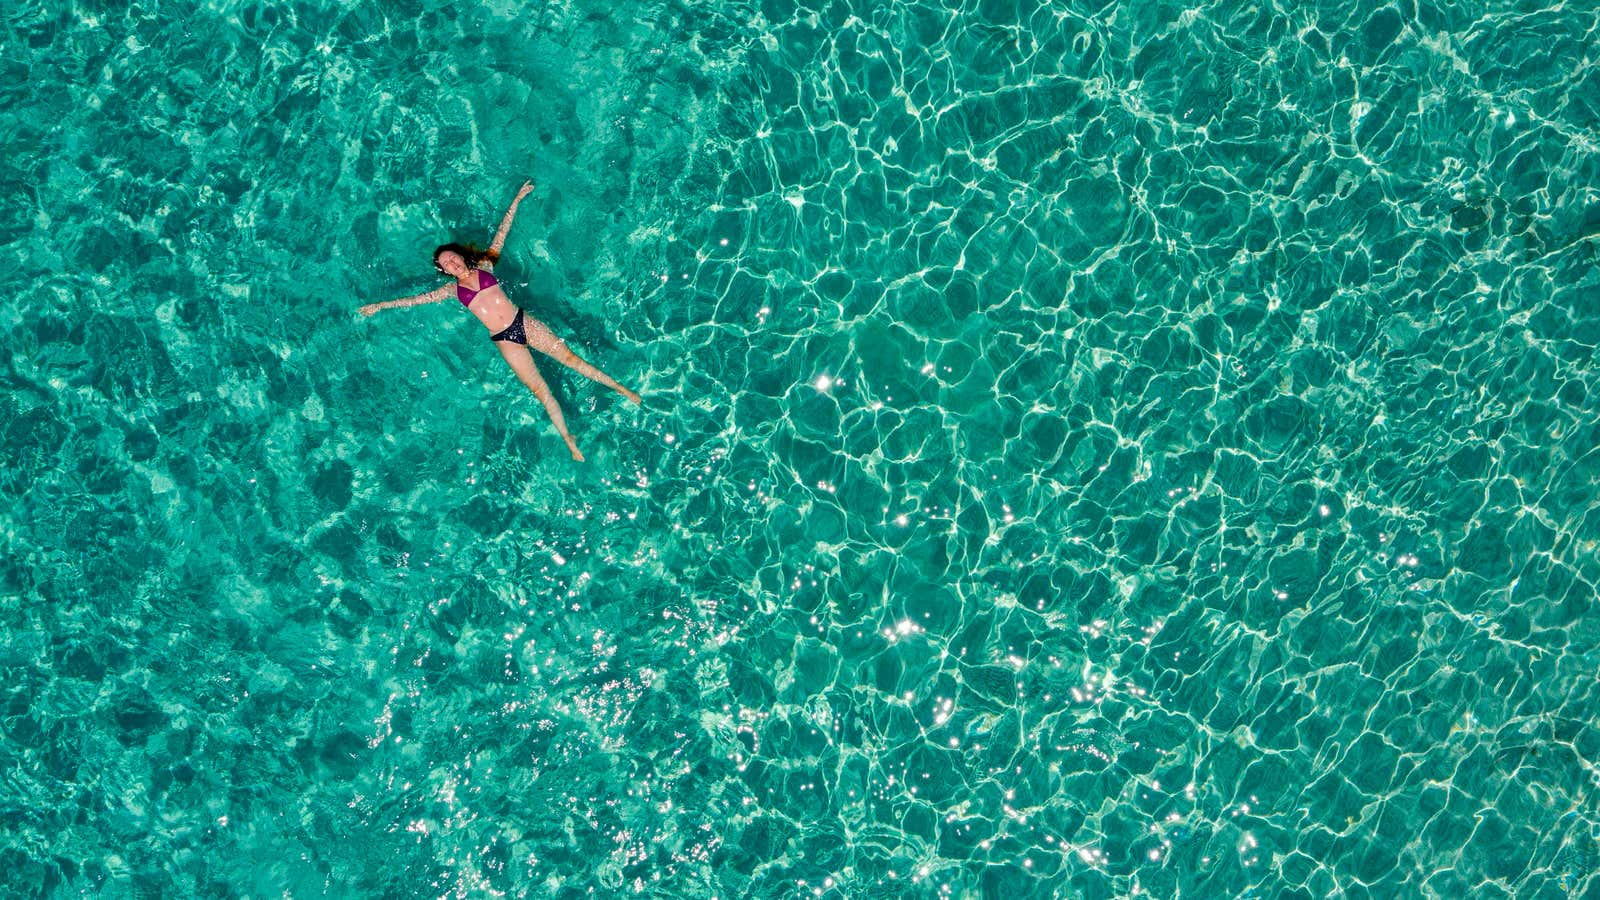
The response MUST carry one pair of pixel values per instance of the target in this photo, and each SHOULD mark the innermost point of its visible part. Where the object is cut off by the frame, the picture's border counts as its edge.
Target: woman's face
(452, 263)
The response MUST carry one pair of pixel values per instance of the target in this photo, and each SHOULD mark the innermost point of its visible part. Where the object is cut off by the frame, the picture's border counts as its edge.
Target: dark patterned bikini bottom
(513, 332)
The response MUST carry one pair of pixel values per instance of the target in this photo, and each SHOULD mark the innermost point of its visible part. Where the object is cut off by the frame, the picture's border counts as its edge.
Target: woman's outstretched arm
(505, 224)
(433, 296)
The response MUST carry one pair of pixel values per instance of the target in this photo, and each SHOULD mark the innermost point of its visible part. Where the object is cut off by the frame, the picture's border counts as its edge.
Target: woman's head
(457, 259)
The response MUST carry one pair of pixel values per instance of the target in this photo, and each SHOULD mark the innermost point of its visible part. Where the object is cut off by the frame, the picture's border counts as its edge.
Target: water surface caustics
(1089, 451)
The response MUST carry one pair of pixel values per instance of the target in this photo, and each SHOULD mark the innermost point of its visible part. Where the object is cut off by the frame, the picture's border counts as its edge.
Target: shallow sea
(1089, 450)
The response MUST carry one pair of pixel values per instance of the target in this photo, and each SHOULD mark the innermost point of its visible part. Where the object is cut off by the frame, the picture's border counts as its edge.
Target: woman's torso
(489, 303)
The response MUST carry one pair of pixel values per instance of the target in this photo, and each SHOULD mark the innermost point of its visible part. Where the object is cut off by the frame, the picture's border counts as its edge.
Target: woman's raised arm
(505, 224)
(433, 296)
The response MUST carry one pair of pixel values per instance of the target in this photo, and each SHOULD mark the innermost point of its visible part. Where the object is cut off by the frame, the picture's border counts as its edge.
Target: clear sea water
(1089, 450)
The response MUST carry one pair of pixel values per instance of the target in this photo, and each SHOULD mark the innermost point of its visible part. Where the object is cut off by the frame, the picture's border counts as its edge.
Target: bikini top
(465, 294)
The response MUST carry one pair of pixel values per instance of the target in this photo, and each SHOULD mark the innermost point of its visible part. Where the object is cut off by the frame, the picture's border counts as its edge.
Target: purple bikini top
(465, 294)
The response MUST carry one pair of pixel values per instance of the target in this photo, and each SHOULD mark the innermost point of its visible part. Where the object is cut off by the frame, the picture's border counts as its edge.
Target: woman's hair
(471, 254)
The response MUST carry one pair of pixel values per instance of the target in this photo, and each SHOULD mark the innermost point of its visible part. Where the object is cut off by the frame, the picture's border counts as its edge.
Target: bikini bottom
(513, 332)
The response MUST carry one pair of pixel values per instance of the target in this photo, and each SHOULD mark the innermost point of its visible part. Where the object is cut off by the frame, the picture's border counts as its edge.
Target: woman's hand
(525, 190)
(371, 308)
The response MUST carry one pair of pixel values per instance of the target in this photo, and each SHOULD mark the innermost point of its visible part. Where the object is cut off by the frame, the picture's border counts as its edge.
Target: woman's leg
(521, 362)
(541, 338)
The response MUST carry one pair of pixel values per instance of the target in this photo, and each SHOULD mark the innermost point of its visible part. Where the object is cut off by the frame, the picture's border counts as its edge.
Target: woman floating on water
(512, 330)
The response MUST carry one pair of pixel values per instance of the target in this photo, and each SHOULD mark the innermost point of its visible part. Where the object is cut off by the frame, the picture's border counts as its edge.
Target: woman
(512, 330)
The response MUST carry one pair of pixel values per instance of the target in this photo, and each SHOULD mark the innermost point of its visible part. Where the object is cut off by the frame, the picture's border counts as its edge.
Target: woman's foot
(572, 447)
(630, 395)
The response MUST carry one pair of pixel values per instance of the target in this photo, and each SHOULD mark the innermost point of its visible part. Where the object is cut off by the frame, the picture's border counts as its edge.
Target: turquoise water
(1088, 451)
